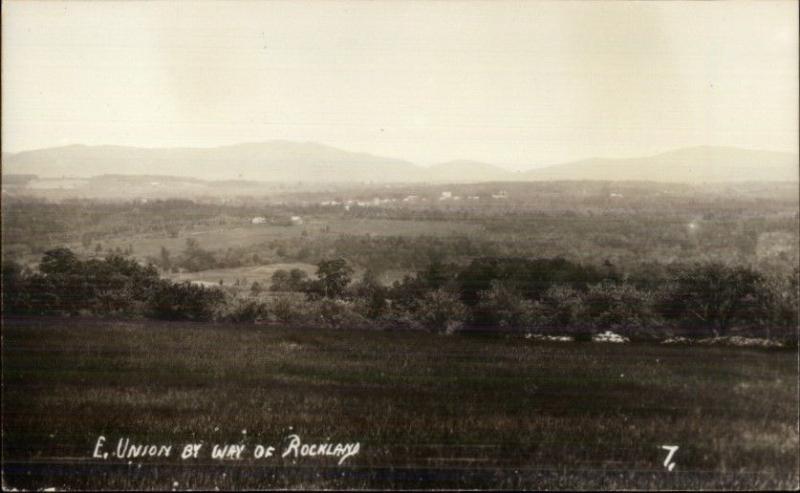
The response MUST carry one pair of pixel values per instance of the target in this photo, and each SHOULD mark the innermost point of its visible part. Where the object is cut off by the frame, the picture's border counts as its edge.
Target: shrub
(247, 311)
(185, 301)
(287, 308)
(715, 296)
(502, 305)
(618, 306)
(339, 314)
(441, 310)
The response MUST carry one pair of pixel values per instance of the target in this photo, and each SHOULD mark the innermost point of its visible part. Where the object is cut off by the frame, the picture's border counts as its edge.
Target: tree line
(510, 293)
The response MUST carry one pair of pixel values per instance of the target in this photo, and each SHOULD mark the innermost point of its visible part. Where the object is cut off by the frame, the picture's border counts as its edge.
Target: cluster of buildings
(291, 221)
(408, 199)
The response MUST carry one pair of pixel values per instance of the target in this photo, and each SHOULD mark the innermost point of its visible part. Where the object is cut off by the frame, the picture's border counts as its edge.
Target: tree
(532, 277)
(14, 287)
(502, 305)
(247, 311)
(334, 276)
(715, 296)
(618, 305)
(296, 279)
(58, 261)
(781, 300)
(441, 310)
(372, 295)
(166, 262)
(185, 301)
(562, 307)
(438, 275)
(196, 258)
(280, 280)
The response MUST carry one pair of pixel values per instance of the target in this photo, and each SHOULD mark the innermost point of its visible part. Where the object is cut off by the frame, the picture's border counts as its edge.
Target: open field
(233, 236)
(428, 411)
(245, 275)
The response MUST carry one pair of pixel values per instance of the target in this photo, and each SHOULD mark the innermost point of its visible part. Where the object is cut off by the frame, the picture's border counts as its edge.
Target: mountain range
(285, 161)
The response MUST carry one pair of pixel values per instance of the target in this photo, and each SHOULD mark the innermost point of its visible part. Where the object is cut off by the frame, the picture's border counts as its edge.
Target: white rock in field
(542, 337)
(289, 346)
(609, 336)
(677, 340)
(740, 341)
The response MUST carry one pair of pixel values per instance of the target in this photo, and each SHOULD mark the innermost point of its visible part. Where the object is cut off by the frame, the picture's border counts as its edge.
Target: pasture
(428, 410)
(242, 235)
(245, 275)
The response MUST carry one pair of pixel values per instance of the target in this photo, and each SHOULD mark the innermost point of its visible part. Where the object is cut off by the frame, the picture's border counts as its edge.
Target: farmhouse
(258, 220)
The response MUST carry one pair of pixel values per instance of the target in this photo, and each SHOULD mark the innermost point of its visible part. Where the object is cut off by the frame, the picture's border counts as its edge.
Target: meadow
(429, 411)
(243, 235)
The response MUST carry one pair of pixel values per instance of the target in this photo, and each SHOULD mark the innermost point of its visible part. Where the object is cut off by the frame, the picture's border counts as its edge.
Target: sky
(520, 84)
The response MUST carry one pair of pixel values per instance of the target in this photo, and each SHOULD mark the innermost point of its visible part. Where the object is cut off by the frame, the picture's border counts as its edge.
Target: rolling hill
(284, 161)
(689, 165)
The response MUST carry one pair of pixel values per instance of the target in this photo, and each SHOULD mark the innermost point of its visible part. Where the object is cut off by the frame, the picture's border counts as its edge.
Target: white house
(258, 220)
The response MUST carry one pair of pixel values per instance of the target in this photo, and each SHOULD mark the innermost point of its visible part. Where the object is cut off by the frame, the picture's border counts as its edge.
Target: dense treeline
(66, 285)
(513, 293)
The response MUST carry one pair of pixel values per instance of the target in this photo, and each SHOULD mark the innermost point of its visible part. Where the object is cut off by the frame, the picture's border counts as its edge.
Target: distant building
(446, 196)
(258, 220)
(616, 195)
(410, 198)
(502, 194)
(296, 220)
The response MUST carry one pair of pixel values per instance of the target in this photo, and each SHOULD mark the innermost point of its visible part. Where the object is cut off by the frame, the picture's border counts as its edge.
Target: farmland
(428, 410)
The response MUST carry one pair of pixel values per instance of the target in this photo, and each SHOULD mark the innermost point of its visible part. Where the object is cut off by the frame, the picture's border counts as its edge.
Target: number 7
(668, 461)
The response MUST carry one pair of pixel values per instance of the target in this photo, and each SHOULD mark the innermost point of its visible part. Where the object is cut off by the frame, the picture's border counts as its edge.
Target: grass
(263, 274)
(429, 411)
(234, 236)
(247, 275)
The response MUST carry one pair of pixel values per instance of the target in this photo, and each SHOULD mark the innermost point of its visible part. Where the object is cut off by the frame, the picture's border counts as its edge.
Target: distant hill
(689, 165)
(268, 161)
(284, 161)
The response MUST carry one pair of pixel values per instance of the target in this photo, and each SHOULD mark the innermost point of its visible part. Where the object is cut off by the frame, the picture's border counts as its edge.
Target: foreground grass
(429, 411)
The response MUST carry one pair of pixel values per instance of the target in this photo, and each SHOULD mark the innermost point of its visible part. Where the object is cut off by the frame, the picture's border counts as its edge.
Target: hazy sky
(518, 83)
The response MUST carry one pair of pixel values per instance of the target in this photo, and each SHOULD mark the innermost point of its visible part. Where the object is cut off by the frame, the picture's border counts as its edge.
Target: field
(244, 235)
(245, 275)
(429, 411)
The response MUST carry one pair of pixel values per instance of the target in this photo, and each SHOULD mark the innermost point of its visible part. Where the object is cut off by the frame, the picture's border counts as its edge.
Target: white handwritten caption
(294, 449)
(668, 461)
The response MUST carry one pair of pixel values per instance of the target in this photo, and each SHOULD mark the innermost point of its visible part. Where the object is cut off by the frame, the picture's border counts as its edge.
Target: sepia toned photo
(400, 245)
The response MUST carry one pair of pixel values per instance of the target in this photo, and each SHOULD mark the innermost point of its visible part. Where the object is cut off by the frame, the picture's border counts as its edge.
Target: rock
(609, 336)
(677, 340)
(740, 341)
(542, 337)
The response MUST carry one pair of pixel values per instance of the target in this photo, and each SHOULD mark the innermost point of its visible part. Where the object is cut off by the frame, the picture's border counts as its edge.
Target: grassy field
(247, 275)
(429, 411)
(263, 274)
(220, 238)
